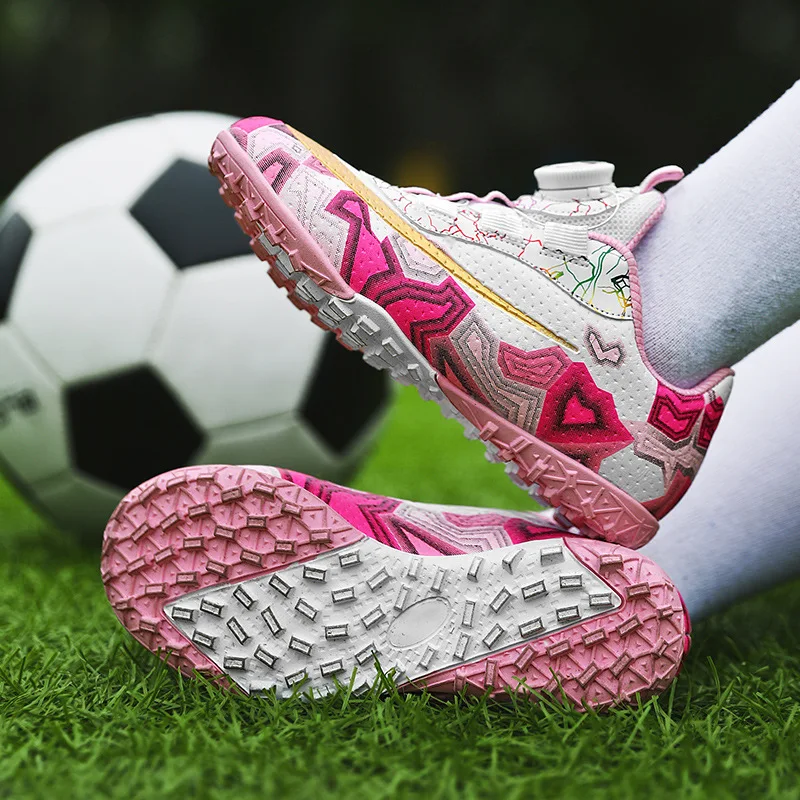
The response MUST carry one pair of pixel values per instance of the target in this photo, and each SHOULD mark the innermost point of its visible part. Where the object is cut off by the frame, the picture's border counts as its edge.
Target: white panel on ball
(280, 442)
(124, 159)
(232, 347)
(32, 429)
(190, 133)
(77, 503)
(90, 294)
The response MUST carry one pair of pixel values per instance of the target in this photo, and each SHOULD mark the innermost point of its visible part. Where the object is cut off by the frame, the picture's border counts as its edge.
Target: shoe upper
(428, 528)
(547, 232)
(529, 305)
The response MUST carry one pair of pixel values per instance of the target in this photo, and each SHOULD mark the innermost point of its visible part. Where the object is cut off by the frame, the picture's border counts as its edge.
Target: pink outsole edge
(609, 661)
(244, 189)
(586, 499)
(207, 526)
(589, 502)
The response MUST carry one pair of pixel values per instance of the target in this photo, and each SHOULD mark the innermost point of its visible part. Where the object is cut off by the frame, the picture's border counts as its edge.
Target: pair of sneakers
(522, 319)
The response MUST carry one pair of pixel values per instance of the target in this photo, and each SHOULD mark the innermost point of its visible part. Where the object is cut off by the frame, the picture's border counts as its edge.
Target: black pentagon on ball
(183, 212)
(344, 395)
(15, 234)
(128, 427)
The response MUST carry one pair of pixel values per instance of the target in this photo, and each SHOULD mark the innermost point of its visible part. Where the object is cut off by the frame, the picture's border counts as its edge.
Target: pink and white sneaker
(522, 318)
(267, 579)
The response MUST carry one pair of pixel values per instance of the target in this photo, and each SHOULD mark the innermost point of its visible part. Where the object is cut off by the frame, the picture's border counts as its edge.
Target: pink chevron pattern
(426, 530)
(475, 359)
(675, 437)
(371, 267)
(612, 353)
(539, 368)
(277, 166)
(673, 414)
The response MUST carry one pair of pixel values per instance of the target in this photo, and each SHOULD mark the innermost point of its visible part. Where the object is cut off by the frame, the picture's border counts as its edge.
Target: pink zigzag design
(371, 267)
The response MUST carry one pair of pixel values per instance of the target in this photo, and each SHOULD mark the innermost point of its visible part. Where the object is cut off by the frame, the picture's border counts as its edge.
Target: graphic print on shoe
(267, 579)
(521, 318)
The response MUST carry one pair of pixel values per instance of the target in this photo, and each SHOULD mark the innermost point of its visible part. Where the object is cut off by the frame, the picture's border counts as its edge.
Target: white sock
(737, 530)
(720, 272)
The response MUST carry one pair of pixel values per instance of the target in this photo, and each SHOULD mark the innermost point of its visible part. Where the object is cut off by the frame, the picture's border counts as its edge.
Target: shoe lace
(494, 196)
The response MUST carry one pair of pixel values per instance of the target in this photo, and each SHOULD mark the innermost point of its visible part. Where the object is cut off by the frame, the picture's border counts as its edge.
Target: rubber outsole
(594, 505)
(247, 577)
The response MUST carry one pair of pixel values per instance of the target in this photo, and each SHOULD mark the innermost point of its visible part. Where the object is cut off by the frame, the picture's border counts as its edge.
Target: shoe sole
(254, 581)
(584, 499)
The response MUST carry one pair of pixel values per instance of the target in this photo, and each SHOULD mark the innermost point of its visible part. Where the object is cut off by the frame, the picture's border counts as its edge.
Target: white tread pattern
(313, 623)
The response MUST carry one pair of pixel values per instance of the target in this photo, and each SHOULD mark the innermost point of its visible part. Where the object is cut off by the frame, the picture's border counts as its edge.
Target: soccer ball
(138, 332)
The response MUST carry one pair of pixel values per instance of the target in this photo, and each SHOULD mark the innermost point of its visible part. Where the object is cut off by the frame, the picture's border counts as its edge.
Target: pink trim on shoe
(659, 176)
(648, 224)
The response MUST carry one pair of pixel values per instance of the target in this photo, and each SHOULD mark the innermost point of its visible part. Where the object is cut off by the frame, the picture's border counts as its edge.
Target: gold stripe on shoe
(391, 217)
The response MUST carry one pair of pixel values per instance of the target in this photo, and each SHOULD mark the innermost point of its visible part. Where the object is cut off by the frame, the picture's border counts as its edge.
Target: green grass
(85, 712)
